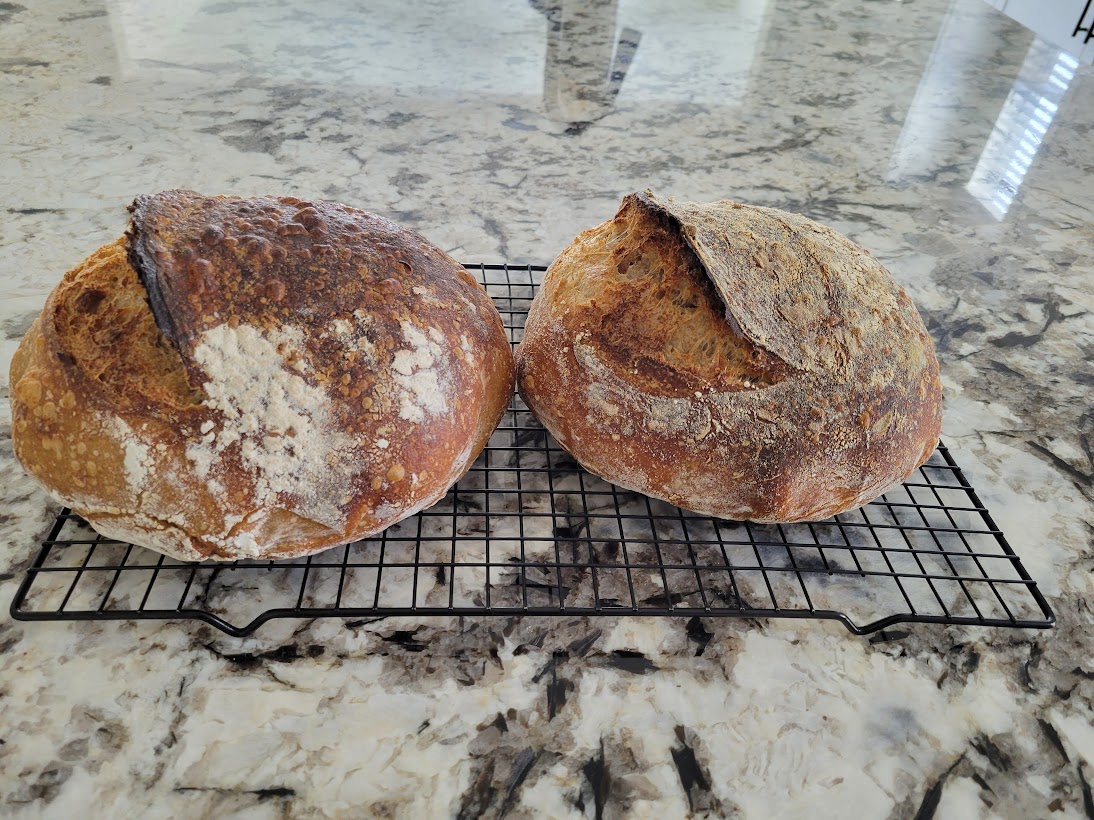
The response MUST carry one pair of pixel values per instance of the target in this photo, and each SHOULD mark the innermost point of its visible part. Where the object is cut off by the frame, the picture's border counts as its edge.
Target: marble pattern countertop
(941, 135)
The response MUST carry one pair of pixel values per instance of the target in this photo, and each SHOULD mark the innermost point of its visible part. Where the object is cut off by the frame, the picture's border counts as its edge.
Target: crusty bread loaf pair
(742, 362)
(270, 377)
(257, 378)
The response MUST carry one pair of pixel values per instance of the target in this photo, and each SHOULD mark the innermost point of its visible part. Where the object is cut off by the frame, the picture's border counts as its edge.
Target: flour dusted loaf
(257, 378)
(741, 362)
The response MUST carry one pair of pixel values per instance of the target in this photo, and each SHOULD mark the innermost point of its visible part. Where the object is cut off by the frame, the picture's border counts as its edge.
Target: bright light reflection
(1033, 102)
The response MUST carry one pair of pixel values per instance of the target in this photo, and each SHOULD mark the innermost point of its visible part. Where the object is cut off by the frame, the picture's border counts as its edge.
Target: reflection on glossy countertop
(706, 100)
(943, 135)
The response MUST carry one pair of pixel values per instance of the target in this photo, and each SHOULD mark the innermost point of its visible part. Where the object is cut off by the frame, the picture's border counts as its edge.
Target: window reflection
(958, 92)
(1021, 127)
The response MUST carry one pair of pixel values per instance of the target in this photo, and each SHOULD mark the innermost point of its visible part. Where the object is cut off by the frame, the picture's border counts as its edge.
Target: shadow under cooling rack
(528, 532)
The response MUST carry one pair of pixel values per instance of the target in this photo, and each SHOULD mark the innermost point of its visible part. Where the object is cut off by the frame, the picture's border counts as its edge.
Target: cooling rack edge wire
(528, 532)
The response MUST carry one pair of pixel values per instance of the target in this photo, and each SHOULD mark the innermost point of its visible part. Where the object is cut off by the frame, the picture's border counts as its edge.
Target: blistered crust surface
(310, 375)
(832, 397)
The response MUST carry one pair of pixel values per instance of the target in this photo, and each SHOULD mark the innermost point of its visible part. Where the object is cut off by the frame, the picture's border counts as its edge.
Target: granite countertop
(945, 137)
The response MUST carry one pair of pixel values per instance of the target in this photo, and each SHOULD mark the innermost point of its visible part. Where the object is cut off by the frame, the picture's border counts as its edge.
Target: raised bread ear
(775, 273)
(268, 262)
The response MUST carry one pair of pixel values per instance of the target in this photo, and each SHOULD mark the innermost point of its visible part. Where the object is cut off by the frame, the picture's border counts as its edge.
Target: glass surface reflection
(1022, 126)
(955, 96)
(586, 62)
(961, 90)
(601, 53)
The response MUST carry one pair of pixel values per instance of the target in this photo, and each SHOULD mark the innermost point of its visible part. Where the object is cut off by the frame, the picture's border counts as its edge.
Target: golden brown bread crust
(324, 374)
(742, 362)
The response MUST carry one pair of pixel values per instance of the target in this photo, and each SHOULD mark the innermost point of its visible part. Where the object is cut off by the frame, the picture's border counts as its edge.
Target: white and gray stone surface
(941, 135)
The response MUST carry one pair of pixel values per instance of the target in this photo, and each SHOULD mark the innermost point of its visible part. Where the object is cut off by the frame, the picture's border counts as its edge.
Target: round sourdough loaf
(741, 362)
(259, 378)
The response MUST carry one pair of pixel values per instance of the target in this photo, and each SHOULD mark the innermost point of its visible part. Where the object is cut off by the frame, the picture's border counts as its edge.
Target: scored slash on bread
(261, 377)
(741, 362)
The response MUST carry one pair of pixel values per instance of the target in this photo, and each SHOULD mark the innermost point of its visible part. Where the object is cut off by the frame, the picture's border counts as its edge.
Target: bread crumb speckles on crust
(419, 373)
(138, 460)
(737, 361)
(256, 388)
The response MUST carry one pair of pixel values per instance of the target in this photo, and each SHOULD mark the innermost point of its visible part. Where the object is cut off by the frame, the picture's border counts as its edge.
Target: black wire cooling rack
(528, 532)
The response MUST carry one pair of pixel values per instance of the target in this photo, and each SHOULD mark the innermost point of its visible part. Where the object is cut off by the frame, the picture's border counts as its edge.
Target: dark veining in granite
(602, 717)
